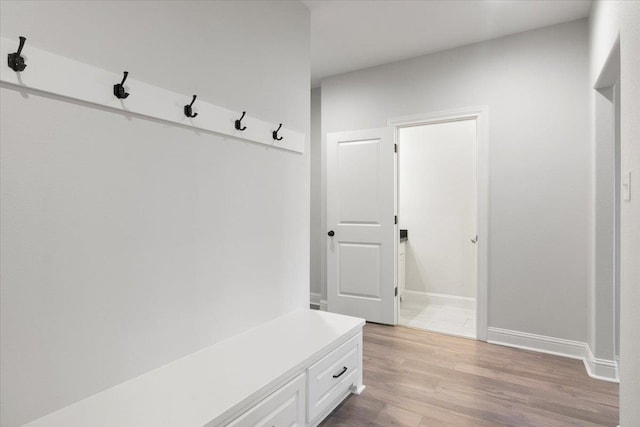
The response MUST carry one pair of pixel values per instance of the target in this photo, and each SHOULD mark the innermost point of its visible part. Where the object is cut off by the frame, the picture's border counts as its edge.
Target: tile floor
(415, 312)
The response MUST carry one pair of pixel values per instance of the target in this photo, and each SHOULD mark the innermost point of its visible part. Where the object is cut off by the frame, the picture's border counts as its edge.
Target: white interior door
(361, 224)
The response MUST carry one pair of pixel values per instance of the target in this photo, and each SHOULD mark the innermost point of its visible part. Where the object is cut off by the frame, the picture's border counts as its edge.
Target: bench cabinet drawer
(333, 376)
(283, 408)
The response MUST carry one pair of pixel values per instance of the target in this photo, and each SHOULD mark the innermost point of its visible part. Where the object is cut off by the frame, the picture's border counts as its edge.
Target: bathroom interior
(437, 207)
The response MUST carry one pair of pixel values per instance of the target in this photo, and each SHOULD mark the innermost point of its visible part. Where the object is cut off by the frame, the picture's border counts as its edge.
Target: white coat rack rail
(75, 80)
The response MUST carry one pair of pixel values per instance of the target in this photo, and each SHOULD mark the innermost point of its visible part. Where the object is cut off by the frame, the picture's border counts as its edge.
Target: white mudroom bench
(291, 371)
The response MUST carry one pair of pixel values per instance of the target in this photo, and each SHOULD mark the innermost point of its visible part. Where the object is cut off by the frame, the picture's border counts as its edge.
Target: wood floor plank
(417, 378)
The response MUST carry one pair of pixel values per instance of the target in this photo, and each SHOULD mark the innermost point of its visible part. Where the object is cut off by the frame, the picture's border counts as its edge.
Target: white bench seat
(219, 383)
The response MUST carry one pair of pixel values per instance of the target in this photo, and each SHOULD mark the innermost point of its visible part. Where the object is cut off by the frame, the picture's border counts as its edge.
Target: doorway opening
(441, 202)
(437, 206)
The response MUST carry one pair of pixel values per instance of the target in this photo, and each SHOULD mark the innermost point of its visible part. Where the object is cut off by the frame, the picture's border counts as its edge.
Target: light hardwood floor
(419, 378)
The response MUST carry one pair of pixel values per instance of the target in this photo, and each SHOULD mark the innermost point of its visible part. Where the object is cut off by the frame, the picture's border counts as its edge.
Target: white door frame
(605, 285)
(481, 115)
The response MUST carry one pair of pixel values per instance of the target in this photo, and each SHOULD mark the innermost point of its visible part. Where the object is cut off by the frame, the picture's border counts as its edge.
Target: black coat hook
(239, 122)
(15, 61)
(118, 88)
(187, 109)
(275, 134)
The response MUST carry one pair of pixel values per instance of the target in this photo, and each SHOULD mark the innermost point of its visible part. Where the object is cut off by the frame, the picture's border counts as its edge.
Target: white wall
(534, 84)
(608, 21)
(126, 242)
(437, 205)
(317, 226)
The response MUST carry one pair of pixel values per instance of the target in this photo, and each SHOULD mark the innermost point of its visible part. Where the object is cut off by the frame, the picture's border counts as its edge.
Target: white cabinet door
(360, 224)
(333, 376)
(284, 408)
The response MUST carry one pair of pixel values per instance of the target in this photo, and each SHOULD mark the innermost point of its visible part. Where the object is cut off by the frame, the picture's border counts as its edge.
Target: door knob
(331, 233)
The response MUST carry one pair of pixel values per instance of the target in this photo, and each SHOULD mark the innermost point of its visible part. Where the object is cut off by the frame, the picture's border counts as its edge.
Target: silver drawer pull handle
(344, 369)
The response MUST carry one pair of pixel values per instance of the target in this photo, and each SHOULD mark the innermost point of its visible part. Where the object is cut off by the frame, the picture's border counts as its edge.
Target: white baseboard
(539, 343)
(358, 389)
(601, 369)
(442, 299)
(316, 300)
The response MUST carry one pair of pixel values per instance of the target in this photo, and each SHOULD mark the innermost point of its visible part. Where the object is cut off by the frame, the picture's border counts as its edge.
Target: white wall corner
(600, 369)
(317, 301)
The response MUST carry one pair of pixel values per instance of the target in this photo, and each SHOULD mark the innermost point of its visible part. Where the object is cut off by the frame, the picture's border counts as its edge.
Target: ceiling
(348, 35)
